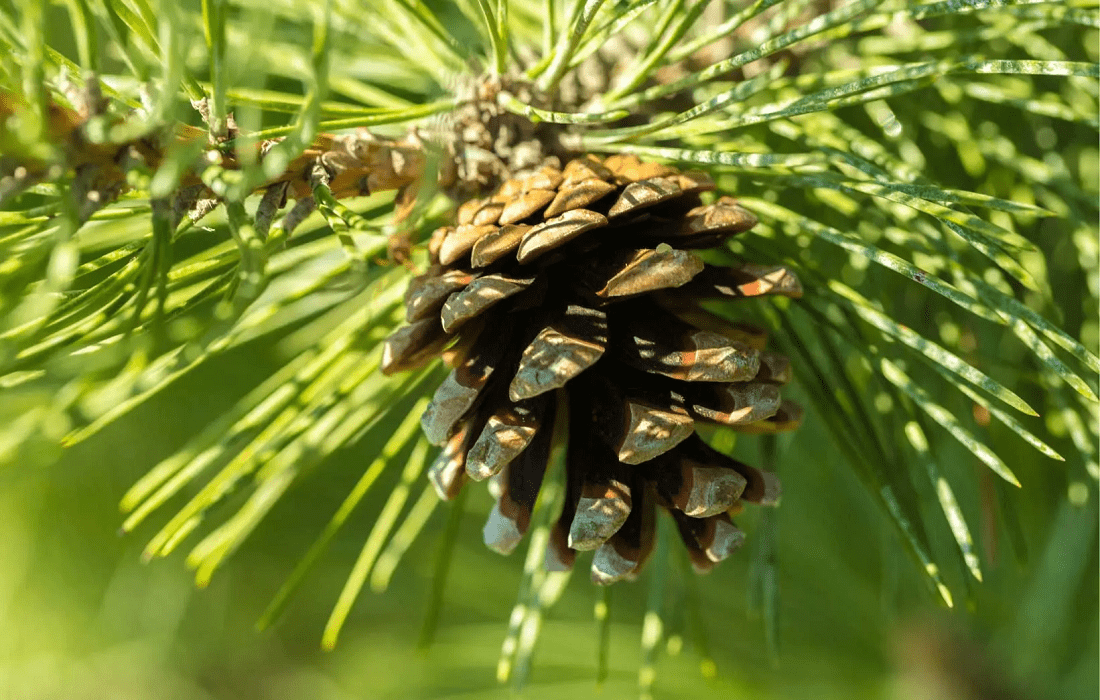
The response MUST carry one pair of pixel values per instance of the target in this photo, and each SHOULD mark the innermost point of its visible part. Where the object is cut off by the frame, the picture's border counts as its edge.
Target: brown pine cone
(584, 281)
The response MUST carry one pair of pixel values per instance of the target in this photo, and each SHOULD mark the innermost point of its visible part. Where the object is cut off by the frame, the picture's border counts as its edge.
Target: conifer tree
(580, 195)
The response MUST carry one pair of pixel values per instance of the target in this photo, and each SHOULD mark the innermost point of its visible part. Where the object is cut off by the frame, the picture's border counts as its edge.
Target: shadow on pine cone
(579, 287)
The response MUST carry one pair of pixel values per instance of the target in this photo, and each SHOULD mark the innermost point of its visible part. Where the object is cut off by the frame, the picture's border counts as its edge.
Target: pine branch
(889, 150)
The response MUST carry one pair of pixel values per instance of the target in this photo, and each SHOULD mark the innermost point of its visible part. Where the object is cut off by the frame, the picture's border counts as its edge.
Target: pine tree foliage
(929, 170)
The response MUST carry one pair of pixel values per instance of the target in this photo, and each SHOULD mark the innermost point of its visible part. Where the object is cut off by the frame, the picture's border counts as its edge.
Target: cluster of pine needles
(928, 170)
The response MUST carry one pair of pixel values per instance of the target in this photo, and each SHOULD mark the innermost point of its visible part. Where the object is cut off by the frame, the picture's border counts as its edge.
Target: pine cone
(584, 279)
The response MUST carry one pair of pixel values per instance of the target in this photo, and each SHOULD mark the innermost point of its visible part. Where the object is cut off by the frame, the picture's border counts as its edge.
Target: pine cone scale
(579, 195)
(520, 482)
(477, 297)
(649, 270)
(735, 404)
(556, 232)
(506, 435)
(525, 205)
(497, 244)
